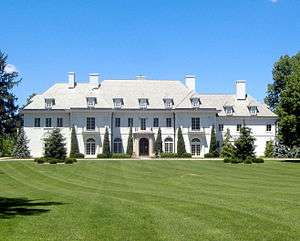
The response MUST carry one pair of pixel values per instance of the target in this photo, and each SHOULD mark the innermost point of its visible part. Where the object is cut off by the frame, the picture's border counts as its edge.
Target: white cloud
(10, 68)
(274, 1)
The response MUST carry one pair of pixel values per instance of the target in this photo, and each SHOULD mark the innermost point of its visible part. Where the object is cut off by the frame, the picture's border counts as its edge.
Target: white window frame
(90, 146)
(196, 147)
(169, 145)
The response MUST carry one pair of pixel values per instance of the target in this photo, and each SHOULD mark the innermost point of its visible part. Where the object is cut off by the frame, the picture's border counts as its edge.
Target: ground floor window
(90, 147)
(169, 145)
(196, 147)
(118, 147)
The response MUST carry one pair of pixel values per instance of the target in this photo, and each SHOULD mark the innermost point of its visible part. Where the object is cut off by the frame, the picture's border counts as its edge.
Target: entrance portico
(143, 144)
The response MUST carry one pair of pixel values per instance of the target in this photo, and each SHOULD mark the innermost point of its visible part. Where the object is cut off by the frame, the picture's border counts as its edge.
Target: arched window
(118, 146)
(90, 148)
(196, 147)
(169, 145)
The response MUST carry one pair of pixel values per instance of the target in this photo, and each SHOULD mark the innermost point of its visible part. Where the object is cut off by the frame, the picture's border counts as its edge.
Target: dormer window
(118, 103)
(91, 101)
(143, 103)
(228, 110)
(195, 101)
(253, 110)
(168, 103)
(49, 102)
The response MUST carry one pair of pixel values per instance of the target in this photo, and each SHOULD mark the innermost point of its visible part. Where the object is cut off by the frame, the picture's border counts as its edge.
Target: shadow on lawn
(292, 160)
(11, 207)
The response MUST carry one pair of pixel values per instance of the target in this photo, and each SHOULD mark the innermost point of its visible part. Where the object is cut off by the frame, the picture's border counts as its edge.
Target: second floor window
(169, 122)
(48, 122)
(269, 127)
(155, 122)
(143, 123)
(59, 122)
(130, 122)
(37, 122)
(221, 127)
(238, 127)
(196, 123)
(117, 122)
(90, 123)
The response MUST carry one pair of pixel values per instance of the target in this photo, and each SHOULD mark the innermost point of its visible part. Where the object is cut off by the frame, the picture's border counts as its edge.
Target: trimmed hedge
(77, 155)
(103, 155)
(175, 155)
(120, 155)
(258, 160)
(249, 160)
(210, 155)
(42, 160)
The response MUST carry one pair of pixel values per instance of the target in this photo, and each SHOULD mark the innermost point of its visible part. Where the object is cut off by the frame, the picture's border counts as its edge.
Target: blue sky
(218, 41)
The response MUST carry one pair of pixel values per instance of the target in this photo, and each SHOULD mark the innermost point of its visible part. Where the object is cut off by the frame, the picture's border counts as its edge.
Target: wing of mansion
(145, 105)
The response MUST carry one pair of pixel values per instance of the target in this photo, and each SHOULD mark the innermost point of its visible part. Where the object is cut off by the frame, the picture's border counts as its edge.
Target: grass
(150, 200)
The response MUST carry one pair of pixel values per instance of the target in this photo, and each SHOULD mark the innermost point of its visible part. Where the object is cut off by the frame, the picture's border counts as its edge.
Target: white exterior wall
(182, 119)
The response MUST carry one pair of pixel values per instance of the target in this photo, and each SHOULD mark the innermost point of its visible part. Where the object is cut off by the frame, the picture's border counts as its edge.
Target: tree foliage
(8, 107)
(244, 144)
(129, 149)
(158, 143)
(269, 149)
(106, 145)
(283, 97)
(228, 149)
(55, 146)
(21, 149)
(213, 147)
(74, 152)
(180, 143)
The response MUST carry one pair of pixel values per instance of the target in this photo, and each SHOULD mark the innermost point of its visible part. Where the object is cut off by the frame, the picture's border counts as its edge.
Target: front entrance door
(144, 147)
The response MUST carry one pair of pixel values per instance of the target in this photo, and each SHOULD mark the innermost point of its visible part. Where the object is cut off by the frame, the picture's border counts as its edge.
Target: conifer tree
(228, 148)
(55, 146)
(244, 144)
(158, 143)
(106, 146)
(213, 147)
(129, 149)
(269, 149)
(180, 143)
(21, 149)
(74, 152)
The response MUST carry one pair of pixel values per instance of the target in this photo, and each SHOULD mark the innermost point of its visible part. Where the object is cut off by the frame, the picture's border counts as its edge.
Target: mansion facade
(145, 106)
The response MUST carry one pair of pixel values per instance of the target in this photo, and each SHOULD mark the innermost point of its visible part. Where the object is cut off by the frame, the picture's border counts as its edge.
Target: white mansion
(144, 105)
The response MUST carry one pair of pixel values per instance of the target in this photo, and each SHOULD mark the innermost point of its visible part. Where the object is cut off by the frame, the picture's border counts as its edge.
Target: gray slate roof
(132, 90)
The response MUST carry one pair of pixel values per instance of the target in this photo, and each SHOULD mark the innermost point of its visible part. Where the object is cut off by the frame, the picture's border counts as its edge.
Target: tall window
(117, 122)
(169, 122)
(155, 122)
(48, 122)
(143, 123)
(196, 123)
(169, 145)
(238, 127)
(130, 122)
(221, 127)
(59, 122)
(90, 123)
(90, 147)
(268, 127)
(196, 147)
(37, 122)
(118, 147)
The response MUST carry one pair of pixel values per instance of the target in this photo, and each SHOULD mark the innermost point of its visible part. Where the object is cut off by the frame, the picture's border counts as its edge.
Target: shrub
(6, 145)
(129, 149)
(55, 145)
(104, 155)
(186, 155)
(236, 160)
(39, 160)
(158, 143)
(106, 145)
(77, 155)
(180, 143)
(70, 160)
(168, 155)
(258, 160)
(21, 149)
(248, 160)
(120, 155)
(227, 160)
(269, 149)
(213, 147)
(227, 150)
(74, 152)
(244, 144)
(209, 155)
(53, 161)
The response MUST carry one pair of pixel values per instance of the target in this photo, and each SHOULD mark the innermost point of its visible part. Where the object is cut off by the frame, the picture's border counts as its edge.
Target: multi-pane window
(195, 101)
(49, 102)
(117, 122)
(130, 122)
(196, 147)
(90, 147)
(169, 122)
(59, 122)
(90, 123)
(238, 127)
(253, 110)
(195, 123)
(91, 101)
(48, 122)
(268, 127)
(118, 147)
(155, 122)
(37, 122)
(169, 145)
(143, 102)
(221, 127)
(143, 123)
(228, 110)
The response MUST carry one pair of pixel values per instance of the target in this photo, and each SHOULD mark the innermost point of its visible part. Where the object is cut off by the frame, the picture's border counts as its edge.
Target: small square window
(59, 122)
(130, 122)
(155, 122)
(117, 122)
(169, 122)
(37, 122)
(269, 127)
(238, 127)
(48, 122)
(221, 127)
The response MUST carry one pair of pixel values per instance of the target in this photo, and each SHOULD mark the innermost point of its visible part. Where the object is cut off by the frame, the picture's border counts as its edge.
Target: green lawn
(150, 200)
